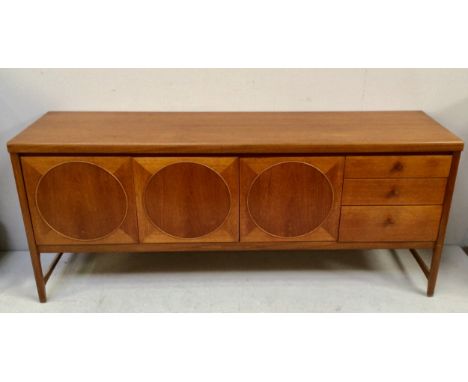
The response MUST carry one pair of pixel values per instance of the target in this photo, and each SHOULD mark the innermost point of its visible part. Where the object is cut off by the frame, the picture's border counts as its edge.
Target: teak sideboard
(148, 182)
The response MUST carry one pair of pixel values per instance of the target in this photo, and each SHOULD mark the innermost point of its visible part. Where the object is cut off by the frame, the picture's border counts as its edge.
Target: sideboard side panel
(23, 200)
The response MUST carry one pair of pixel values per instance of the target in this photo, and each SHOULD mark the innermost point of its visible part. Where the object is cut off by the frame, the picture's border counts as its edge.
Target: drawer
(394, 191)
(403, 166)
(389, 223)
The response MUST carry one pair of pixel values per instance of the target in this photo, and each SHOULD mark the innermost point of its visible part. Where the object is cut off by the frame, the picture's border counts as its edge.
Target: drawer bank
(148, 182)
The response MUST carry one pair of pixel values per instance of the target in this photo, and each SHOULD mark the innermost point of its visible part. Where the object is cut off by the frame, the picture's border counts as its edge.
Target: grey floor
(315, 281)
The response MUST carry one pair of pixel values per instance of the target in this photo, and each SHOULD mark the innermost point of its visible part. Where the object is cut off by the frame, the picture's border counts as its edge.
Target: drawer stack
(393, 198)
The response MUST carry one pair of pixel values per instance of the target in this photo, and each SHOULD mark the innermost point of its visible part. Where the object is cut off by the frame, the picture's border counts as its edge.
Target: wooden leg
(41, 278)
(52, 266)
(439, 245)
(435, 262)
(420, 262)
(37, 268)
(430, 273)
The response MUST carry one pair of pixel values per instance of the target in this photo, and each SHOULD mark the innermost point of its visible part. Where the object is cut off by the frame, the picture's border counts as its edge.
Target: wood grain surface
(398, 166)
(75, 199)
(390, 223)
(183, 199)
(187, 200)
(410, 191)
(81, 200)
(290, 199)
(286, 199)
(234, 133)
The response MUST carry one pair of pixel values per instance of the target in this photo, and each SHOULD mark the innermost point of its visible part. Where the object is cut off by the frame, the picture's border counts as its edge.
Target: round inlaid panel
(290, 199)
(187, 200)
(81, 200)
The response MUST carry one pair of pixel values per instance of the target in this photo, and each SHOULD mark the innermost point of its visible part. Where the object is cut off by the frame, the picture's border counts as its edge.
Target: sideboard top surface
(234, 133)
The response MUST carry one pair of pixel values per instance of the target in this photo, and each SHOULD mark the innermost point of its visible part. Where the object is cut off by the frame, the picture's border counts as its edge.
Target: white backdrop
(25, 94)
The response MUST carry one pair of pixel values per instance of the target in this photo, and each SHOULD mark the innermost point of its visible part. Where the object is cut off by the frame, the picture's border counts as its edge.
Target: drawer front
(81, 200)
(389, 223)
(403, 166)
(187, 199)
(290, 198)
(412, 191)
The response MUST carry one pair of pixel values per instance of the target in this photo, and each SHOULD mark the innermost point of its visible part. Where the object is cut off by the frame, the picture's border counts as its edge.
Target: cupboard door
(74, 200)
(296, 198)
(187, 199)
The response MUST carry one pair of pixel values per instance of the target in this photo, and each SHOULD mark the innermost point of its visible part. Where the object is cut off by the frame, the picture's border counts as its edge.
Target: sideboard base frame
(430, 273)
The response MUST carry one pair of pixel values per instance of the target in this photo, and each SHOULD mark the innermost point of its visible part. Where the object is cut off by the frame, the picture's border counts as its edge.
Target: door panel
(81, 199)
(187, 199)
(296, 198)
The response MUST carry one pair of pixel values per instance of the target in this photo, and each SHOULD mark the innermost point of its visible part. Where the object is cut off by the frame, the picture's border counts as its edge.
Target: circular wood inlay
(290, 199)
(81, 200)
(187, 200)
